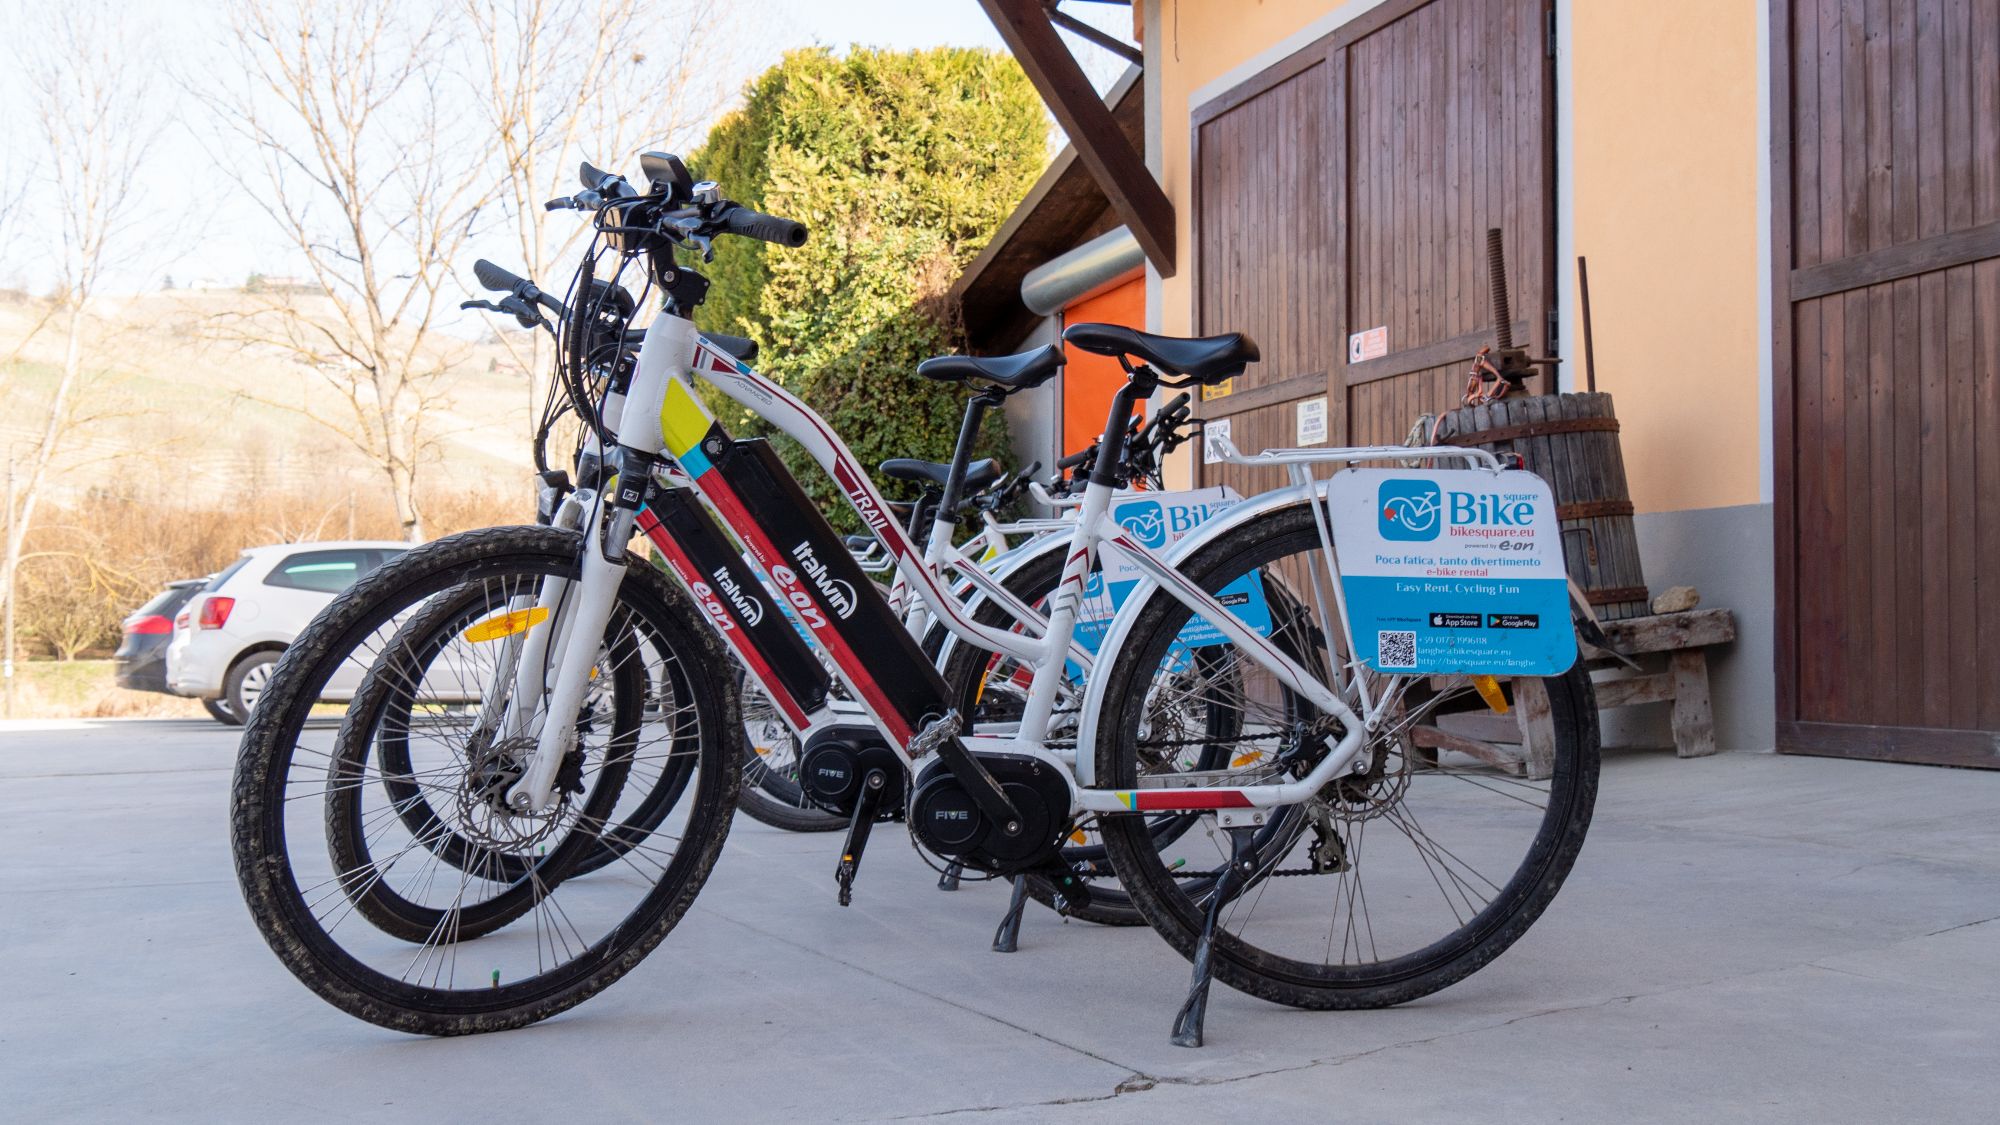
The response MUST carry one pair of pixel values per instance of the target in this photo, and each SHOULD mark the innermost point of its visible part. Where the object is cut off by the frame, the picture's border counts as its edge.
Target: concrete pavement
(1746, 938)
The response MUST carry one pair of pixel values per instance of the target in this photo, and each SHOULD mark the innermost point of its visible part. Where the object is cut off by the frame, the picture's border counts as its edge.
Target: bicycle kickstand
(949, 880)
(1194, 1011)
(1007, 938)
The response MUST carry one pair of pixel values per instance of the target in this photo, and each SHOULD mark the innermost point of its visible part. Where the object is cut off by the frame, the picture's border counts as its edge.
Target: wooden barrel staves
(1571, 441)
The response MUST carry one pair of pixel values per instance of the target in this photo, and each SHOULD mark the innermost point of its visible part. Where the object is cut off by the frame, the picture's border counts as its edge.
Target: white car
(229, 635)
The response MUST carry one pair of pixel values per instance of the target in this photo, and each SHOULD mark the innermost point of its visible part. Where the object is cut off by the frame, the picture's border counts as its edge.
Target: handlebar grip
(1077, 458)
(766, 228)
(493, 277)
(501, 281)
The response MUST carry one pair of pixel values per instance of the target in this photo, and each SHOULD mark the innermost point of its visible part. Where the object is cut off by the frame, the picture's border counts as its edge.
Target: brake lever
(686, 228)
(524, 314)
(581, 201)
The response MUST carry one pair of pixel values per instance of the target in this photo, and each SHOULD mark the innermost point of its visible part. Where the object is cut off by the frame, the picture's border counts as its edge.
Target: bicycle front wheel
(376, 855)
(1386, 885)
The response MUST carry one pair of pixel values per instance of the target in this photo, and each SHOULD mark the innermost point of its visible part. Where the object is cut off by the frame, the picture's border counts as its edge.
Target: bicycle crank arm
(873, 786)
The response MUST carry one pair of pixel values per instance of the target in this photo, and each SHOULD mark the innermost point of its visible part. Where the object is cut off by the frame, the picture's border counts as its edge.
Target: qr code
(1395, 648)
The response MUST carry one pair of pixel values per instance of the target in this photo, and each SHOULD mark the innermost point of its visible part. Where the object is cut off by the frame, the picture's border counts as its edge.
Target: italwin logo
(1409, 510)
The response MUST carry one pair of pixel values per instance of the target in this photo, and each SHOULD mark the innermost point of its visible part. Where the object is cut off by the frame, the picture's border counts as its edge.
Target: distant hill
(185, 418)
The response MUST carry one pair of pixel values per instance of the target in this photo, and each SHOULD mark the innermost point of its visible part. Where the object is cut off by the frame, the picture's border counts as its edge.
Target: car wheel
(246, 682)
(220, 712)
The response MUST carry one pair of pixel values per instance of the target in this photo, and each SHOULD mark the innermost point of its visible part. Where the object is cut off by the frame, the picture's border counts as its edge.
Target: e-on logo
(1146, 520)
(1409, 510)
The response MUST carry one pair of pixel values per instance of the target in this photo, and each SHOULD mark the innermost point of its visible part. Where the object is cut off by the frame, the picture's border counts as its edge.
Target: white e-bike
(470, 869)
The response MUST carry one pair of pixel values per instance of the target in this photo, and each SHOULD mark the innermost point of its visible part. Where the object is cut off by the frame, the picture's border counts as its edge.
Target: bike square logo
(1409, 510)
(1147, 522)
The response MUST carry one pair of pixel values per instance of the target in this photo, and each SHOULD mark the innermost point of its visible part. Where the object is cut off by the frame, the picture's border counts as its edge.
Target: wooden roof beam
(1134, 194)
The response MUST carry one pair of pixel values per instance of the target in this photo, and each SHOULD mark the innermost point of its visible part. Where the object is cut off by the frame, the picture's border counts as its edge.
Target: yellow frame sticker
(684, 421)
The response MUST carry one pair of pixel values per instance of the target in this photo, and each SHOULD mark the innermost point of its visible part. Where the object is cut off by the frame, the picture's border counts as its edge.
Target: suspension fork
(667, 354)
(524, 661)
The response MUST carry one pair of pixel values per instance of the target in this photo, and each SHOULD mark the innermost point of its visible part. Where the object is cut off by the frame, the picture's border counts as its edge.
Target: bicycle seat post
(961, 456)
(1140, 383)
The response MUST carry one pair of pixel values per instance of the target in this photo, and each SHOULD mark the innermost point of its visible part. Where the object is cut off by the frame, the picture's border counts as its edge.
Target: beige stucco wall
(1664, 105)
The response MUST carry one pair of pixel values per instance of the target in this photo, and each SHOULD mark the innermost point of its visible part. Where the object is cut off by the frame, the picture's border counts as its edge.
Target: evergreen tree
(903, 164)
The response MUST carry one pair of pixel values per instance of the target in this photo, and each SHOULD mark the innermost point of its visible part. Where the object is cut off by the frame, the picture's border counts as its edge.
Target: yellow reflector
(762, 750)
(507, 624)
(1076, 836)
(1246, 758)
(1489, 690)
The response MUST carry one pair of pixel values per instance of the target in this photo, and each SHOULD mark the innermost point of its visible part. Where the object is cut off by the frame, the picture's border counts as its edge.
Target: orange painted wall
(1089, 380)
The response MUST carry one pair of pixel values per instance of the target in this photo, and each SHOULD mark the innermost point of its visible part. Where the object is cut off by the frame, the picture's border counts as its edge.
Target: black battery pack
(701, 554)
(827, 589)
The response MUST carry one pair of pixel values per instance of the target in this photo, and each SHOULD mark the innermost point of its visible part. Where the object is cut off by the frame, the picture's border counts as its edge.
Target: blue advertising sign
(1452, 571)
(1158, 520)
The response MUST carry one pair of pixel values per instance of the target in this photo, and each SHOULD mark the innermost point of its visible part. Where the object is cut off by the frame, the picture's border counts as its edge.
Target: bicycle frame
(687, 424)
(901, 692)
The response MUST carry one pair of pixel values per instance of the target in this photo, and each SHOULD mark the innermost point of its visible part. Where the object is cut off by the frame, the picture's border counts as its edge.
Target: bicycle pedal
(844, 875)
(1072, 891)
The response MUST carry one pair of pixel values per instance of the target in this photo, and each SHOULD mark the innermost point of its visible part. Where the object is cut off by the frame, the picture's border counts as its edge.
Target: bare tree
(368, 168)
(16, 172)
(89, 104)
(564, 80)
(72, 601)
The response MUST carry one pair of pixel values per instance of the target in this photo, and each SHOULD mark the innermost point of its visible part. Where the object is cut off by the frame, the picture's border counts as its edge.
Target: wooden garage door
(1349, 188)
(1886, 155)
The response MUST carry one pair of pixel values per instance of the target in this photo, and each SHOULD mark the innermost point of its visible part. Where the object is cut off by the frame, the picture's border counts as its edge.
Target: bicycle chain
(1289, 871)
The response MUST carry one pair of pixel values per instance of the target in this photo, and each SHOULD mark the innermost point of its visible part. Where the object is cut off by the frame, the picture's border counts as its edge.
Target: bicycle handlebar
(503, 281)
(743, 221)
(1168, 415)
(493, 277)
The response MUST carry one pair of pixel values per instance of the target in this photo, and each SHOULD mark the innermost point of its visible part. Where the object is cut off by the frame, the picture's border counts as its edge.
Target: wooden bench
(1520, 742)
(1684, 639)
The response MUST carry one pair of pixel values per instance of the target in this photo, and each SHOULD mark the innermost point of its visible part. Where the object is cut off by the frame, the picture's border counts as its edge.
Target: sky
(229, 241)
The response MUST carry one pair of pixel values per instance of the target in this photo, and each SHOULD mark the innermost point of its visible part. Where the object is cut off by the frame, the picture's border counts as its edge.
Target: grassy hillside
(177, 412)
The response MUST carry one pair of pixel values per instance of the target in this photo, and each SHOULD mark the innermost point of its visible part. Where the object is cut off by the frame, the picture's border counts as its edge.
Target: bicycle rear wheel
(483, 920)
(1409, 877)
